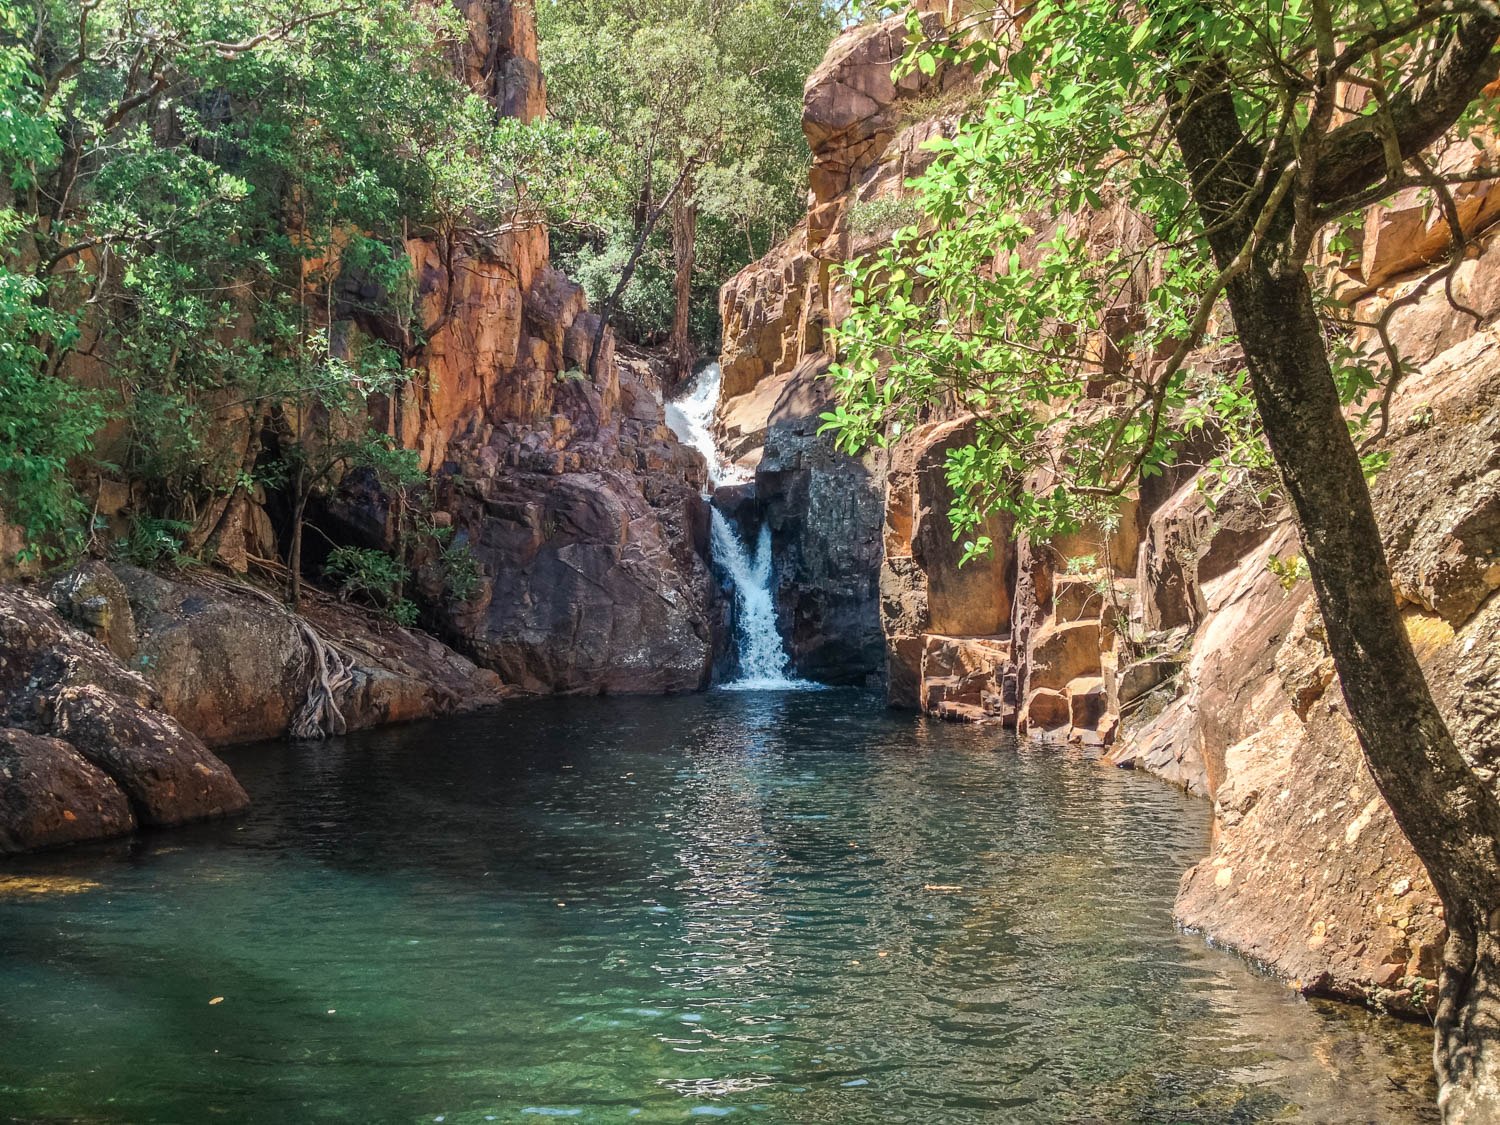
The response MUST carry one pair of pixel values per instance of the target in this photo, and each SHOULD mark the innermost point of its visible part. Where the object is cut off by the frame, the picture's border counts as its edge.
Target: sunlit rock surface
(1168, 641)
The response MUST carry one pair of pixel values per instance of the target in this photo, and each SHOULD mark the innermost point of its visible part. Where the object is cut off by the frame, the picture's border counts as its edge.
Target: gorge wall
(580, 505)
(582, 509)
(1168, 643)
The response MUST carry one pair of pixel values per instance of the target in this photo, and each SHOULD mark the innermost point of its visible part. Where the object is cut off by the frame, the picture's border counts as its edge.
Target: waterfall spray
(763, 661)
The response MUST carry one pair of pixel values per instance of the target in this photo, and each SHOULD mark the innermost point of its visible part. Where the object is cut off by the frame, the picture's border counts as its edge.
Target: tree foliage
(712, 83)
(200, 199)
(1059, 282)
(1233, 145)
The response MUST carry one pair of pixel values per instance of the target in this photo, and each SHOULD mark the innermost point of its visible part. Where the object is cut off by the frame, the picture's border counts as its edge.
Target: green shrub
(152, 541)
(369, 575)
(462, 576)
(403, 613)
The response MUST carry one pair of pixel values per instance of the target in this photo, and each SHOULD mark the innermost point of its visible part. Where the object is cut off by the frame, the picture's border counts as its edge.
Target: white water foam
(764, 663)
(691, 418)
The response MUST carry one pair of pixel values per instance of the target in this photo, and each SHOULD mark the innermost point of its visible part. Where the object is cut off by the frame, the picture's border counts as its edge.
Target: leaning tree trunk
(1448, 814)
(684, 252)
(294, 550)
(1441, 805)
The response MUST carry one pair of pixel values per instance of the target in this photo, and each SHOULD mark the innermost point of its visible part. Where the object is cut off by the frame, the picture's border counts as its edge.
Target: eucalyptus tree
(703, 99)
(1232, 143)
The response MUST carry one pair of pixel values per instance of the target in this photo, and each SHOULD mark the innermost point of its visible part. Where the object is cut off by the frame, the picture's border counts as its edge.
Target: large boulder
(230, 669)
(50, 795)
(89, 754)
(168, 774)
(91, 598)
(824, 509)
(588, 594)
(232, 666)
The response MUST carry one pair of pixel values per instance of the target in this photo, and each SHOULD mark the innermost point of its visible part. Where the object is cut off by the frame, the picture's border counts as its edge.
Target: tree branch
(1354, 156)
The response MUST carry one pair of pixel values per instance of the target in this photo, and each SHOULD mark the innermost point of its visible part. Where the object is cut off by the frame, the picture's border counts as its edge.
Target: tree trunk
(1445, 810)
(684, 248)
(294, 551)
(238, 498)
(629, 271)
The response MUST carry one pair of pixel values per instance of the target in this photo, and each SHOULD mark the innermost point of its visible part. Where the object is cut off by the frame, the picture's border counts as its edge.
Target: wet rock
(825, 510)
(50, 795)
(168, 774)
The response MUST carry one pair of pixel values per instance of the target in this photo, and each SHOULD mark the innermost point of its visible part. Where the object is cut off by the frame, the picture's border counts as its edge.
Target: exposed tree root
(319, 716)
(1467, 1054)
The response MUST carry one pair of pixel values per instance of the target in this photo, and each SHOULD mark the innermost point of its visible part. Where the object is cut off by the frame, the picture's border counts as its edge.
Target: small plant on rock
(372, 577)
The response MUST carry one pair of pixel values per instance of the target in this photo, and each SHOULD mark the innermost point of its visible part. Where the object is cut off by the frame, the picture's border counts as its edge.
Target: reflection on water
(792, 908)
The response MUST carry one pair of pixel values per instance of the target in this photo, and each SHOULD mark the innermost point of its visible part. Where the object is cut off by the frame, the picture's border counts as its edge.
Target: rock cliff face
(827, 511)
(1166, 640)
(582, 509)
(578, 503)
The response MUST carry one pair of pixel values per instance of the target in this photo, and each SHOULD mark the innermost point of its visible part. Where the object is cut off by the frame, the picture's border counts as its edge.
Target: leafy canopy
(718, 82)
(198, 198)
(1059, 284)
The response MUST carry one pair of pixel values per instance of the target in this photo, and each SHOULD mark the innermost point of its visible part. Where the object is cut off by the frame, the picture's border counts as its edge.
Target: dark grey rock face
(826, 511)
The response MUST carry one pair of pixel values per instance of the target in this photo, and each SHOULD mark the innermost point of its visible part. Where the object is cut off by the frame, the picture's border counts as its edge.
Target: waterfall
(691, 418)
(763, 661)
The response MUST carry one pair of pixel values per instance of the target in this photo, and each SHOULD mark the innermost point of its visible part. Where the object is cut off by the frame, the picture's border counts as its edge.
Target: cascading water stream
(691, 418)
(763, 661)
(763, 658)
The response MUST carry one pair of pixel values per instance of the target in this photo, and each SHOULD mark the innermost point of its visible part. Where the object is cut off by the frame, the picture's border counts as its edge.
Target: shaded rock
(168, 774)
(50, 795)
(825, 510)
(40, 655)
(1142, 676)
(587, 594)
(90, 597)
(229, 669)
(233, 667)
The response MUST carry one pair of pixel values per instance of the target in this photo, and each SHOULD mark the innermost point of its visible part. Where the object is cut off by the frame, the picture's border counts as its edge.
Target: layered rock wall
(1177, 639)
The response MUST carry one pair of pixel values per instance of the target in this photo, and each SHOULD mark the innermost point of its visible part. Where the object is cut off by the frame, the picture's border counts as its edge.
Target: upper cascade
(691, 418)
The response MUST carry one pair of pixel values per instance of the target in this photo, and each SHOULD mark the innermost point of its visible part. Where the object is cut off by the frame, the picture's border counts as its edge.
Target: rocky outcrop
(211, 661)
(1309, 871)
(232, 666)
(592, 534)
(826, 509)
(928, 602)
(50, 795)
(1178, 639)
(581, 506)
(167, 773)
(85, 751)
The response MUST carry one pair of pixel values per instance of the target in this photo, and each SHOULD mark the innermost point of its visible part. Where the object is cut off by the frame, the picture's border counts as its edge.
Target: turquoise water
(771, 908)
